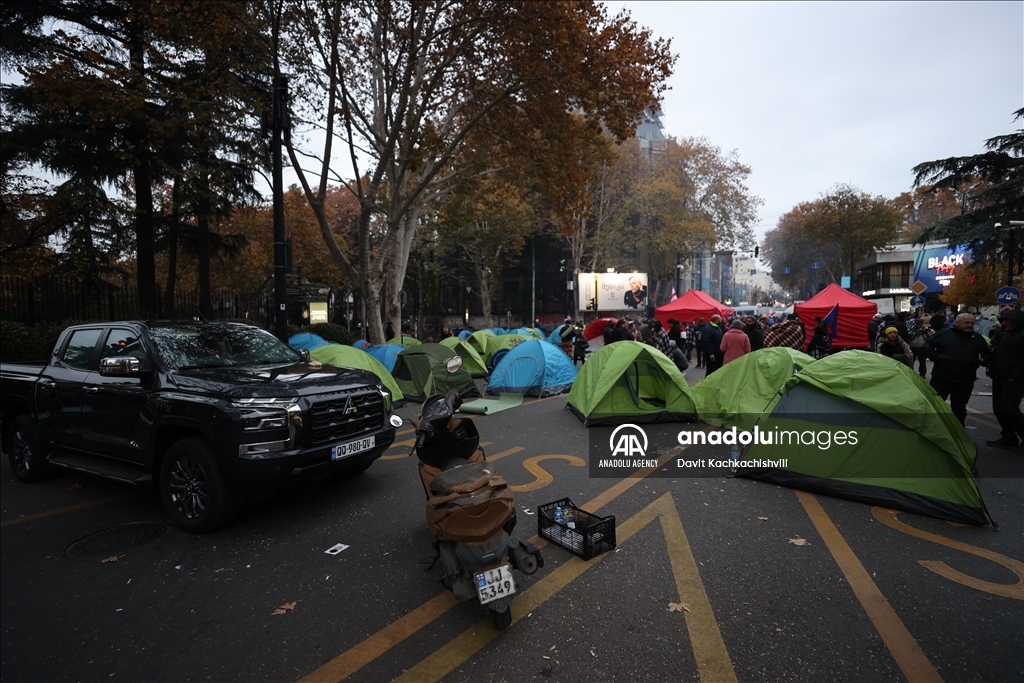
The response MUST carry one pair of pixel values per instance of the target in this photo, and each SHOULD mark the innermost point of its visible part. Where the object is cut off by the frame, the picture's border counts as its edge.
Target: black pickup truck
(215, 414)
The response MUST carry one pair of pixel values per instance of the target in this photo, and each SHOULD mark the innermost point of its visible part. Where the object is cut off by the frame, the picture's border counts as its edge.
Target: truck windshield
(215, 346)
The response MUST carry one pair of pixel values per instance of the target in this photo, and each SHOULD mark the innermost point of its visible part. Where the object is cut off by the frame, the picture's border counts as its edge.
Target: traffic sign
(815, 265)
(1008, 295)
(917, 301)
(918, 288)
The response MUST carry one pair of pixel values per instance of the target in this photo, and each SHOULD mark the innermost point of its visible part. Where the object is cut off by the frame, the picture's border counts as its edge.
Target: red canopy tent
(596, 328)
(854, 315)
(690, 306)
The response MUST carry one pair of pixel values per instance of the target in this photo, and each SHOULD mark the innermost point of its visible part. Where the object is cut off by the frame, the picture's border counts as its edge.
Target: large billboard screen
(936, 267)
(613, 291)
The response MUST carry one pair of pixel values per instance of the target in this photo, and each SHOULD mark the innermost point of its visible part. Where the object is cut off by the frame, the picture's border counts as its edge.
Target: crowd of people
(954, 348)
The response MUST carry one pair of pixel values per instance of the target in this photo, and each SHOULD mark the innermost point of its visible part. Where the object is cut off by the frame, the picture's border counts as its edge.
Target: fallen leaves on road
(285, 608)
(765, 519)
(799, 541)
(223, 569)
(74, 487)
(112, 558)
(678, 607)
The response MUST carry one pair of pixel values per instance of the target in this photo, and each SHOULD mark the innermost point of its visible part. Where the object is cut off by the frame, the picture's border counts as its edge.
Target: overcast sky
(815, 94)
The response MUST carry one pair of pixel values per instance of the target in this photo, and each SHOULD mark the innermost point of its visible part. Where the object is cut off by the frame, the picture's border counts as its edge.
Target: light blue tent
(360, 343)
(556, 334)
(533, 368)
(386, 354)
(464, 334)
(306, 340)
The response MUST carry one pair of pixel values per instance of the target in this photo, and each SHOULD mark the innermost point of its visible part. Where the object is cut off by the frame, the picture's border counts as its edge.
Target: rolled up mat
(483, 406)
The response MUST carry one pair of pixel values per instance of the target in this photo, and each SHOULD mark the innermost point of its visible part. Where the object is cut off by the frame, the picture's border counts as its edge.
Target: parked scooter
(470, 510)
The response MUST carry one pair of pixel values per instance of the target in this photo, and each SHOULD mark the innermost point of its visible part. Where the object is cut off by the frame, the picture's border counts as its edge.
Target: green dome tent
(350, 357)
(736, 394)
(405, 341)
(907, 452)
(471, 360)
(630, 382)
(503, 341)
(421, 373)
(478, 340)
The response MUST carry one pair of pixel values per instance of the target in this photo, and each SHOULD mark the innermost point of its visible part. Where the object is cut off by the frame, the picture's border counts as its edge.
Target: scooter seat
(463, 479)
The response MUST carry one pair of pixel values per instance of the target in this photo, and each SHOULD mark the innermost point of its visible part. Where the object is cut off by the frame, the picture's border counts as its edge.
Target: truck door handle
(91, 390)
(47, 386)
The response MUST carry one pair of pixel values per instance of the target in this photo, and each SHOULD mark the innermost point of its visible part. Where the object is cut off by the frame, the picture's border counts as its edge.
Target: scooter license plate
(493, 584)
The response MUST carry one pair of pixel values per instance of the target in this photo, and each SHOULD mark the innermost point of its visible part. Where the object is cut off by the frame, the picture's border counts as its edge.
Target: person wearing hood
(956, 352)
(711, 339)
(755, 333)
(1006, 367)
(735, 343)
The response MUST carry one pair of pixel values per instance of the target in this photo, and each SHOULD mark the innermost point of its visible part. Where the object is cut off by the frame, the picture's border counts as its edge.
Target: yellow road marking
(541, 476)
(904, 649)
(511, 451)
(1011, 590)
(365, 652)
(67, 508)
(983, 417)
(383, 640)
(713, 663)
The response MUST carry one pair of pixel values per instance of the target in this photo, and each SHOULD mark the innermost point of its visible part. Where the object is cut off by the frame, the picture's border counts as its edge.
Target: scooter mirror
(453, 365)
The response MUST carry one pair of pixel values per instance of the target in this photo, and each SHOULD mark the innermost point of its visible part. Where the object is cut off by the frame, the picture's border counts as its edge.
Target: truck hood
(272, 381)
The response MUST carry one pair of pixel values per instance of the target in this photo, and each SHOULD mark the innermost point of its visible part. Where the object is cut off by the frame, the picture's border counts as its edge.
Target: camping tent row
(527, 366)
(909, 453)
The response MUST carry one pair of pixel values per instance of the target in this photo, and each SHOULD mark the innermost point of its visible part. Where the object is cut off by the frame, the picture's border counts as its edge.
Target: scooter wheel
(501, 620)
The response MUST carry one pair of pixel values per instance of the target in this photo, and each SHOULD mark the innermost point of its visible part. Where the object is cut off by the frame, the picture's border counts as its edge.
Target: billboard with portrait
(614, 291)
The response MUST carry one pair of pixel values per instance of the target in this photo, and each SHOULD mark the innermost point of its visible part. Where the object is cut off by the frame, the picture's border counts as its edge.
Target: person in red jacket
(735, 343)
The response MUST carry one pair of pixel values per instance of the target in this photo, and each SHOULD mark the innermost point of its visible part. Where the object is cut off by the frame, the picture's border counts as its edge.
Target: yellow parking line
(67, 508)
(511, 451)
(380, 642)
(713, 663)
(904, 649)
(983, 417)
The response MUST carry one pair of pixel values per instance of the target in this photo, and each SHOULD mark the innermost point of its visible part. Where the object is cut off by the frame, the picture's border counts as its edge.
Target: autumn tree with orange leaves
(397, 88)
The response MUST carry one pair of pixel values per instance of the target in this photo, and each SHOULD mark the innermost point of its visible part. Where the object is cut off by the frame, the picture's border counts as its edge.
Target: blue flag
(832, 320)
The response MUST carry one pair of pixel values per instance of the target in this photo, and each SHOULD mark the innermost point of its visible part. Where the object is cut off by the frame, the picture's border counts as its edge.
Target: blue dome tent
(464, 334)
(360, 344)
(533, 368)
(386, 354)
(306, 340)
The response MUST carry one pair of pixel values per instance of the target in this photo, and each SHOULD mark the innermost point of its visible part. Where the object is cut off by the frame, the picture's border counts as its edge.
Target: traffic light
(591, 304)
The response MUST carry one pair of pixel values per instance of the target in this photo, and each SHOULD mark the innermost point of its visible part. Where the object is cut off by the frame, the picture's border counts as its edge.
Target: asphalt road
(706, 583)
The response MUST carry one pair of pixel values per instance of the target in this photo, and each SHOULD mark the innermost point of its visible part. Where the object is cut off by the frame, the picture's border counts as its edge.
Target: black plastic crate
(588, 536)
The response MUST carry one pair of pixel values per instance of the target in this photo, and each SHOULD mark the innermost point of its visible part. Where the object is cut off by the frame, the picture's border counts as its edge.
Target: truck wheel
(25, 450)
(193, 489)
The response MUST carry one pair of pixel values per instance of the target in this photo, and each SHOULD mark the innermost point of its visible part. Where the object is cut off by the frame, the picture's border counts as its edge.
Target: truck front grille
(342, 416)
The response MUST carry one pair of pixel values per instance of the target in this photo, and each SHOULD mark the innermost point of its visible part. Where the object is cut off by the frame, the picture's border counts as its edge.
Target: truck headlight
(385, 394)
(265, 414)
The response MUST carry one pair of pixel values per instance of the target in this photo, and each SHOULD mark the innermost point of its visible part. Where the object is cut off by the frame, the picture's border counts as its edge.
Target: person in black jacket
(711, 340)
(873, 331)
(1006, 367)
(957, 352)
(755, 333)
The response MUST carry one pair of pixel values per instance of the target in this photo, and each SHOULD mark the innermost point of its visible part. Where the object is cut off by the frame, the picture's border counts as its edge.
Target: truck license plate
(492, 584)
(351, 448)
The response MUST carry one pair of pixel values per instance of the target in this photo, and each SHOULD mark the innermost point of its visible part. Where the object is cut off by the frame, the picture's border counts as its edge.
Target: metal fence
(52, 300)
